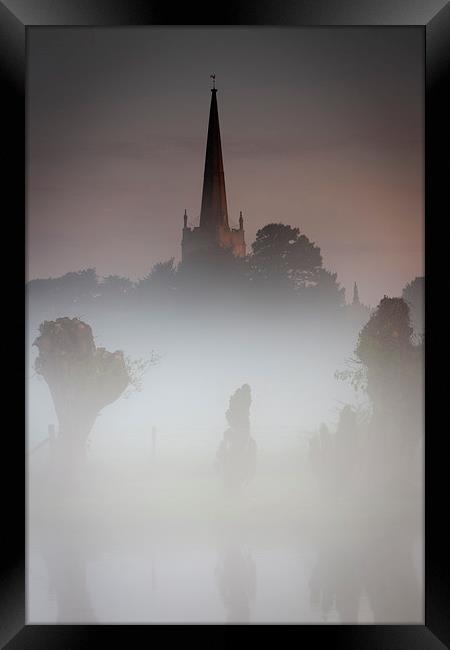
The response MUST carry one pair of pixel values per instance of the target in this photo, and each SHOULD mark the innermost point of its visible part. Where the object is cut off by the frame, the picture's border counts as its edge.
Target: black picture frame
(433, 16)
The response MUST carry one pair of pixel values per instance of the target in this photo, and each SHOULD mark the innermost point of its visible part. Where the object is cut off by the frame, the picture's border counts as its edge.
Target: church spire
(214, 213)
(213, 232)
(355, 295)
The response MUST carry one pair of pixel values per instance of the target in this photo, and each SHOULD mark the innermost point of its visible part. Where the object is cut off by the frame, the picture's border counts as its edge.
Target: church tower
(213, 231)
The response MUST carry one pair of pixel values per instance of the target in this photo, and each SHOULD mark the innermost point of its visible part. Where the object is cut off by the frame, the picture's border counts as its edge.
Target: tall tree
(394, 369)
(283, 256)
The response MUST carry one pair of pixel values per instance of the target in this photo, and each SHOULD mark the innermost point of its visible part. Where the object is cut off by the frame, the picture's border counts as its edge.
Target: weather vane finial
(213, 77)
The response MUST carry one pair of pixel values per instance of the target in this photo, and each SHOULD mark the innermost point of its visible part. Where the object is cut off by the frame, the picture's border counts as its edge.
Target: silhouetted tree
(394, 383)
(161, 277)
(158, 287)
(325, 290)
(40, 288)
(282, 256)
(236, 455)
(389, 369)
(55, 294)
(384, 344)
(115, 287)
(77, 286)
(82, 378)
(238, 413)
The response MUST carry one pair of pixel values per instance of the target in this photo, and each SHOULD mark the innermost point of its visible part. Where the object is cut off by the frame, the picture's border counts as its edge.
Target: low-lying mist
(253, 468)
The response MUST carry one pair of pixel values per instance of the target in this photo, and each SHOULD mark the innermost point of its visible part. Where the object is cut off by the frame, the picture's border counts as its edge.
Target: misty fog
(143, 528)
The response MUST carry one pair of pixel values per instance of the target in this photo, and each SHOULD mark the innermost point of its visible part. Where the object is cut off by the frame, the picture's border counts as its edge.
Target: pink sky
(321, 128)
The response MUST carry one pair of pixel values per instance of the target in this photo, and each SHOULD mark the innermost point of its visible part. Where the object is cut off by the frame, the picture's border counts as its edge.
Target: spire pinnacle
(213, 231)
(214, 212)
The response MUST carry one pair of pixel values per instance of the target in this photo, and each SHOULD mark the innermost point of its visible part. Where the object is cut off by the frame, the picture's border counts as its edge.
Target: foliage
(326, 290)
(384, 346)
(356, 373)
(115, 285)
(387, 333)
(281, 259)
(282, 255)
(73, 287)
(414, 296)
(136, 369)
(162, 276)
(82, 378)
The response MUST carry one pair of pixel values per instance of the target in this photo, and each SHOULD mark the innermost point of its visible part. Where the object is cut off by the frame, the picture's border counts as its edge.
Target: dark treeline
(283, 267)
(283, 263)
(279, 286)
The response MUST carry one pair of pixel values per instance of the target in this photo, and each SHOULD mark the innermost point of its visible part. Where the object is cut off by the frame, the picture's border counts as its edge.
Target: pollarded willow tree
(82, 378)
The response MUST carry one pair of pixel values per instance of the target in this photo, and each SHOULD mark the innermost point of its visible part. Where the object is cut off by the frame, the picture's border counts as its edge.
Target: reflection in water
(336, 583)
(236, 578)
(151, 549)
(66, 558)
(395, 590)
(130, 532)
(377, 563)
